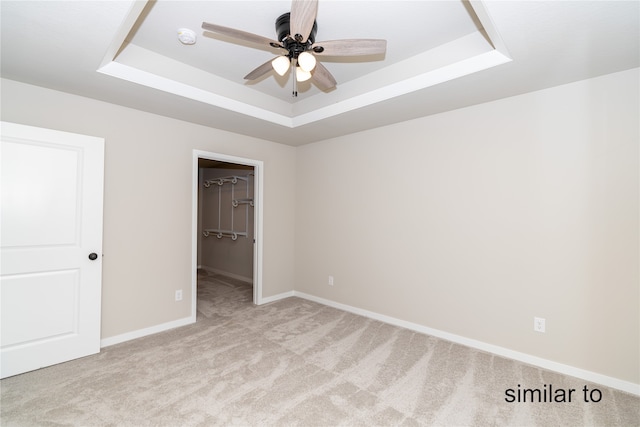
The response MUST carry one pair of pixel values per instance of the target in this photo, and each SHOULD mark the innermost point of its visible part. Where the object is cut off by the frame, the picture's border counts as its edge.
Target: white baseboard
(594, 377)
(106, 342)
(277, 297)
(226, 273)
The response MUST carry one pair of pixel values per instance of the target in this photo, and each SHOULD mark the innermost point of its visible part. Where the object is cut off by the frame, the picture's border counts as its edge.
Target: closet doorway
(227, 220)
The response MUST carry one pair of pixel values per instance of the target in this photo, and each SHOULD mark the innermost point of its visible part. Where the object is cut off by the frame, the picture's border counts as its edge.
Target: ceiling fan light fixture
(306, 61)
(296, 32)
(281, 65)
(302, 75)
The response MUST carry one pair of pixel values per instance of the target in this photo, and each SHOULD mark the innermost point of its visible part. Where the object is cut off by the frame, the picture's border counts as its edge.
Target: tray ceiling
(446, 40)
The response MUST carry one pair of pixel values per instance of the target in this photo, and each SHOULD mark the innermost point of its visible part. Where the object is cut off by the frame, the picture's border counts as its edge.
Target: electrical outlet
(538, 324)
(330, 280)
(179, 295)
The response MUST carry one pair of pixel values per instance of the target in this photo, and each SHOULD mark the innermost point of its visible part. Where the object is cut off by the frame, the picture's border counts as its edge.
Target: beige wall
(147, 204)
(471, 222)
(476, 220)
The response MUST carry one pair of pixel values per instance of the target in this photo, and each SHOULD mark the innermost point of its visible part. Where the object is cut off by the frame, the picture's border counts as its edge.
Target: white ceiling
(441, 55)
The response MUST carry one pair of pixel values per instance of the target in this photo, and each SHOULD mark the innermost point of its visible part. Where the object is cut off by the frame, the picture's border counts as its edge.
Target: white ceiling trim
(441, 75)
(466, 55)
(465, 47)
(145, 78)
(136, 8)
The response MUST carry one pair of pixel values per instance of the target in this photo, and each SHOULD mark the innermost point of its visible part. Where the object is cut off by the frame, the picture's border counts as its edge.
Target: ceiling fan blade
(240, 35)
(322, 77)
(260, 71)
(303, 15)
(350, 47)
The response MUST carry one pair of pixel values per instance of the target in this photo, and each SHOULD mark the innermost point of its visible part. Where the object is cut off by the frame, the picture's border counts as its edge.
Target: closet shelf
(234, 203)
(223, 233)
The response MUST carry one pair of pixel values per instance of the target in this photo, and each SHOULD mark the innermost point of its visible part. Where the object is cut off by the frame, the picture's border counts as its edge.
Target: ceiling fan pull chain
(294, 64)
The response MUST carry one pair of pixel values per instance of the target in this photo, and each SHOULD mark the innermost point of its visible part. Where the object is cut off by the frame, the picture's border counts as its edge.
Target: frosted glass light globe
(306, 61)
(302, 75)
(281, 65)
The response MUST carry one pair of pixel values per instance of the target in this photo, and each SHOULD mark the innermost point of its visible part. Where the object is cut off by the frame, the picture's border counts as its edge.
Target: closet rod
(220, 181)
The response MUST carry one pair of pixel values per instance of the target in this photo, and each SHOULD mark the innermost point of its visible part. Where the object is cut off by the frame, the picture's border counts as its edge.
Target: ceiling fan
(296, 40)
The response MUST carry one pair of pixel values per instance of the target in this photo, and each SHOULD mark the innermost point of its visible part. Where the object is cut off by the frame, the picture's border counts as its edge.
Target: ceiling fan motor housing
(294, 47)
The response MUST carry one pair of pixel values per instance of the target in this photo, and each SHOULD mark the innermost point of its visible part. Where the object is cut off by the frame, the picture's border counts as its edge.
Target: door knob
(93, 256)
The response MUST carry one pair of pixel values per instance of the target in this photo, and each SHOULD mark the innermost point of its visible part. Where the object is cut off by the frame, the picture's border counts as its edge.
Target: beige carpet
(294, 362)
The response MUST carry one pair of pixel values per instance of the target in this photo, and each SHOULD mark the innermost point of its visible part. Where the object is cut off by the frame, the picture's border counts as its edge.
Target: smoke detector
(186, 36)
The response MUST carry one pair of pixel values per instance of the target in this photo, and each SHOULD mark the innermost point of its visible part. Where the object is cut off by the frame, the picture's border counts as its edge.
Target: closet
(225, 219)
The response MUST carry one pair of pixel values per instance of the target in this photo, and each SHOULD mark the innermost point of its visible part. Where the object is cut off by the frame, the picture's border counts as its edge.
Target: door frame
(258, 190)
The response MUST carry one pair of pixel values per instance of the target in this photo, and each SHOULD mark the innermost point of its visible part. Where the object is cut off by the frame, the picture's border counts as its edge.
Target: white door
(51, 247)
